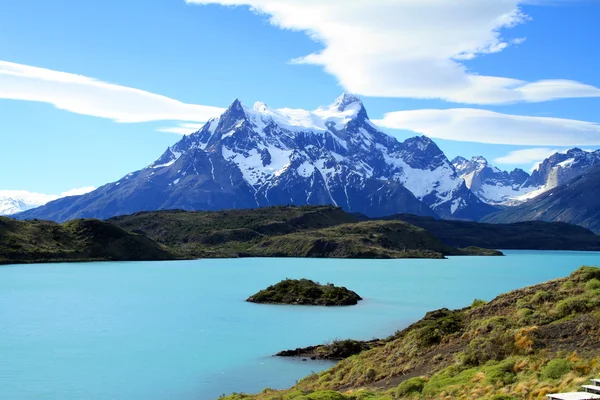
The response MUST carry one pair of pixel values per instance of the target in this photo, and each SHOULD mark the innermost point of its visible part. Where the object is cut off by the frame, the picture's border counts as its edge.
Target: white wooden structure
(573, 396)
(591, 392)
(591, 389)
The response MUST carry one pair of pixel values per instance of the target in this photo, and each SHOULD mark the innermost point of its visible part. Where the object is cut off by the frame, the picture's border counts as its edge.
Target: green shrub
(525, 312)
(497, 345)
(326, 395)
(296, 394)
(446, 379)
(570, 306)
(585, 274)
(410, 387)
(370, 375)
(503, 397)
(368, 395)
(541, 297)
(503, 372)
(445, 323)
(556, 368)
(592, 284)
(478, 302)
(493, 323)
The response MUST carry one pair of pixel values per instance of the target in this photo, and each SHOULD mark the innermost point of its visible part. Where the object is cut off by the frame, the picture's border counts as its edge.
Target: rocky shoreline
(334, 351)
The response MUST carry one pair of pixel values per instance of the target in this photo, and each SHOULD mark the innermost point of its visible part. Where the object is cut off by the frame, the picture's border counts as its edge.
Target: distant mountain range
(577, 202)
(15, 201)
(257, 157)
(260, 156)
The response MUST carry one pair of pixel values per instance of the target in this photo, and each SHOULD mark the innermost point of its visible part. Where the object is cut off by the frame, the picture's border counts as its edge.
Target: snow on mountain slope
(259, 156)
(16, 201)
(492, 185)
(560, 168)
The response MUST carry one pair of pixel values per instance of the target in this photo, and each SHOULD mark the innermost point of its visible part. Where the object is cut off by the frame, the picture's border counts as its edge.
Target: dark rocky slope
(531, 235)
(576, 202)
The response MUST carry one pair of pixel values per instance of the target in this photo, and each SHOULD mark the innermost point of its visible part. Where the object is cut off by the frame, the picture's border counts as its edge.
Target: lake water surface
(182, 331)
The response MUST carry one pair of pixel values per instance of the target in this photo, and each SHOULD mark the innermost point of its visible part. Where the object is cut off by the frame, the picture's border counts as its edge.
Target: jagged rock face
(560, 168)
(490, 184)
(576, 202)
(255, 157)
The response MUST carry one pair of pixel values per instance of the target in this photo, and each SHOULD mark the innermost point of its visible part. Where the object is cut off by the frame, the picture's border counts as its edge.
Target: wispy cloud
(413, 48)
(481, 126)
(182, 129)
(526, 156)
(78, 191)
(88, 96)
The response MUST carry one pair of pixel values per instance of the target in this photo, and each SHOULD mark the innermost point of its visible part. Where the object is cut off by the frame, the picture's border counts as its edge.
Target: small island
(305, 292)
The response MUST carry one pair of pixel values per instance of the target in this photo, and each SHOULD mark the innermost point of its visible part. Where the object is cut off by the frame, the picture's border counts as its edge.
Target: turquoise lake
(181, 330)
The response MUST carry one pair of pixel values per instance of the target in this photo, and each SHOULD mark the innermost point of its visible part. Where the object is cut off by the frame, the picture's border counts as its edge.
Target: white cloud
(182, 129)
(78, 191)
(526, 156)
(413, 48)
(482, 126)
(40, 198)
(88, 96)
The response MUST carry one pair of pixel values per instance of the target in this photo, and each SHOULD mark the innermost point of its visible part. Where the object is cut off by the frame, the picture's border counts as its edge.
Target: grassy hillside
(319, 231)
(521, 345)
(310, 231)
(534, 235)
(78, 240)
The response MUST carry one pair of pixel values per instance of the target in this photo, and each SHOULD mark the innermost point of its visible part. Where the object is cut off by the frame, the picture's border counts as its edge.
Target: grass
(521, 345)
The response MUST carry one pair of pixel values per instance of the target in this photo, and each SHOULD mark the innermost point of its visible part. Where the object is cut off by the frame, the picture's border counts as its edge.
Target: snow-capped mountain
(560, 168)
(576, 202)
(10, 206)
(491, 184)
(498, 187)
(260, 156)
(16, 201)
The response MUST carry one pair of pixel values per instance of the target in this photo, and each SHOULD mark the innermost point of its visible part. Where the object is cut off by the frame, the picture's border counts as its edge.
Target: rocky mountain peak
(262, 156)
(345, 100)
(233, 116)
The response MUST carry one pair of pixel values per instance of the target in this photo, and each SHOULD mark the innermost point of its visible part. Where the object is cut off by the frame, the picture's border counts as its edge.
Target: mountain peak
(232, 116)
(480, 160)
(236, 106)
(420, 142)
(345, 100)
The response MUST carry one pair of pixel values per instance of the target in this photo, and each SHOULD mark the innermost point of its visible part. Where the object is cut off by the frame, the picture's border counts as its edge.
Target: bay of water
(181, 330)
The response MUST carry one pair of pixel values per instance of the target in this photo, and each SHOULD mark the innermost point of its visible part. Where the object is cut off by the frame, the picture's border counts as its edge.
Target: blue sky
(204, 55)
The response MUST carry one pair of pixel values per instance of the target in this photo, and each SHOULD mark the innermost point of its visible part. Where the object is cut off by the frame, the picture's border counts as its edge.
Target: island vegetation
(521, 345)
(305, 292)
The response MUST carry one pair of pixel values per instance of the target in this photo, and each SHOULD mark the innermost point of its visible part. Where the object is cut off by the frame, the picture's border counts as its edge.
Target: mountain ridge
(574, 202)
(257, 157)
